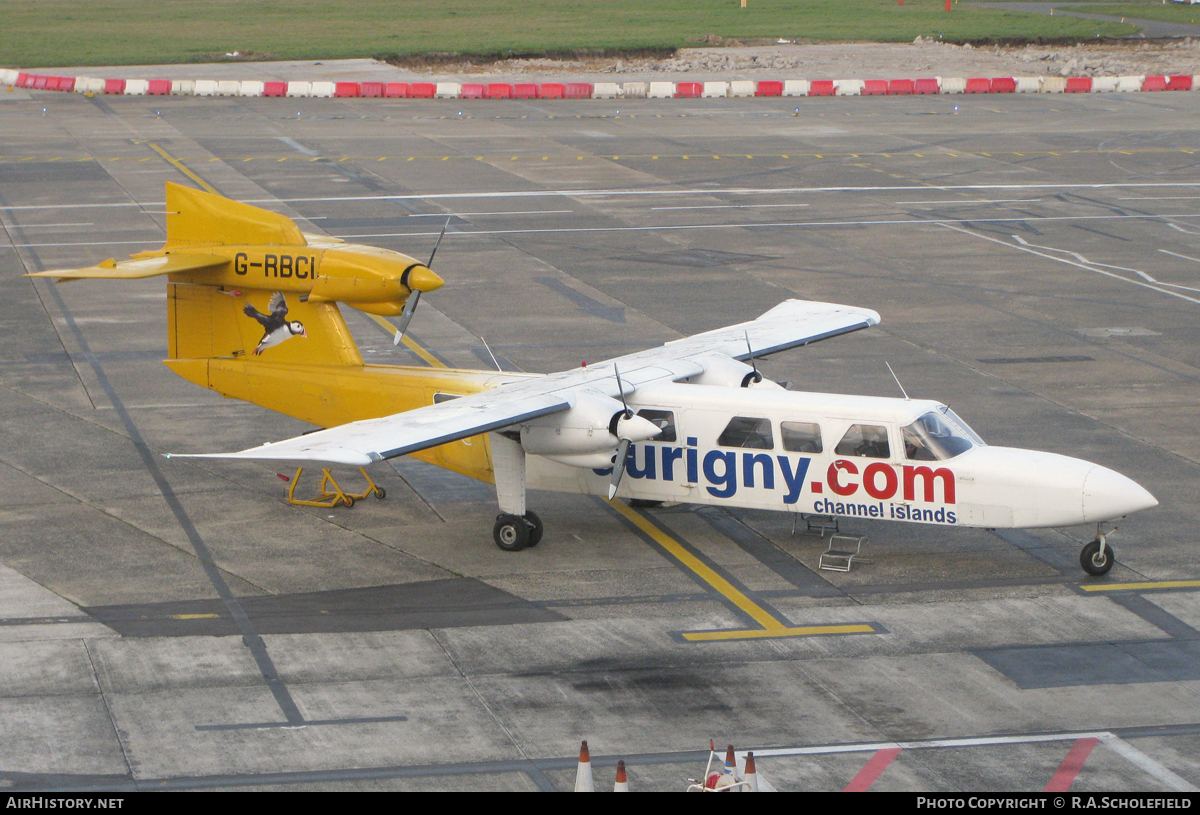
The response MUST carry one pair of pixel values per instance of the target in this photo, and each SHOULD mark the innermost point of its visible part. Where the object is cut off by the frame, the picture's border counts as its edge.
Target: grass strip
(46, 33)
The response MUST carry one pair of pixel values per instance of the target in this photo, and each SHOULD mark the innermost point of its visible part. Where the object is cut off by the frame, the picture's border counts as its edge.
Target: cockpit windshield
(937, 436)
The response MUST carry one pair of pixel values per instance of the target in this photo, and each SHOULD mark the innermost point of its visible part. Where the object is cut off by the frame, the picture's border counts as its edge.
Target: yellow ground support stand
(332, 497)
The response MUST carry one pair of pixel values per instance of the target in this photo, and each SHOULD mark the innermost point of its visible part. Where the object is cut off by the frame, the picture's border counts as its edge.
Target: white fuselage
(849, 456)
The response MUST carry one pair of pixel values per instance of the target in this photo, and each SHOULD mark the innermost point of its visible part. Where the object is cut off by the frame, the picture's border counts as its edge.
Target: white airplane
(691, 422)
(253, 314)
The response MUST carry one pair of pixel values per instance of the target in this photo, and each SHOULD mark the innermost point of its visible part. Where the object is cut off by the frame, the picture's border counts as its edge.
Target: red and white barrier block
(600, 90)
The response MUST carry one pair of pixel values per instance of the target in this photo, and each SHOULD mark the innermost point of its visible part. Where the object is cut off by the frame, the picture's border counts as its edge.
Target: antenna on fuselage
(893, 373)
(490, 354)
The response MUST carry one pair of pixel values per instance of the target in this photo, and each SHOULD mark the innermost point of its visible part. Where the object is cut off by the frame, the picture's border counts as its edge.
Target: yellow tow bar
(330, 493)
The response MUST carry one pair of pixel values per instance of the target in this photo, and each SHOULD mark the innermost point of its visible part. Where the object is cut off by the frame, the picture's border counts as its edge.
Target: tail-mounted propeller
(414, 282)
(614, 426)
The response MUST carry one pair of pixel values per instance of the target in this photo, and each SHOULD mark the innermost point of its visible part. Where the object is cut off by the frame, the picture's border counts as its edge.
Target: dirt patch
(922, 57)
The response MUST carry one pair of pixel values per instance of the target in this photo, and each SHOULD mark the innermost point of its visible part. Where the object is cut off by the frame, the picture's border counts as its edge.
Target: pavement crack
(108, 711)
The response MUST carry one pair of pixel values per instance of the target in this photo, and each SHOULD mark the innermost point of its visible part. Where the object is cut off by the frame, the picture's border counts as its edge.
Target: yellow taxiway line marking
(192, 616)
(704, 572)
(429, 358)
(771, 627)
(1160, 584)
(792, 631)
(178, 165)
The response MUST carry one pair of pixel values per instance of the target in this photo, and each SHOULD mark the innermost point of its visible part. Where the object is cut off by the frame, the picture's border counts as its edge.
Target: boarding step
(843, 551)
(820, 524)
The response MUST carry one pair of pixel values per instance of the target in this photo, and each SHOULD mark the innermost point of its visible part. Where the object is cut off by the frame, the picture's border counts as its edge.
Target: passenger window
(800, 437)
(664, 420)
(438, 398)
(867, 440)
(743, 431)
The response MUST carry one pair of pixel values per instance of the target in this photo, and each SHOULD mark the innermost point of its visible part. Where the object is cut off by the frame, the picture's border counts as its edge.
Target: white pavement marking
(87, 243)
(1176, 254)
(82, 206)
(794, 224)
(960, 202)
(476, 214)
(299, 148)
(1085, 266)
(1082, 259)
(1115, 743)
(948, 223)
(1144, 762)
(755, 191)
(616, 193)
(926, 744)
(47, 226)
(736, 206)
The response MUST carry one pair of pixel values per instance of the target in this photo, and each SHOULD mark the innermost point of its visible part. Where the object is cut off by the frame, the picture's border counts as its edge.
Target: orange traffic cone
(583, 774)
(750, 776)
(729, 776)
(622, 784)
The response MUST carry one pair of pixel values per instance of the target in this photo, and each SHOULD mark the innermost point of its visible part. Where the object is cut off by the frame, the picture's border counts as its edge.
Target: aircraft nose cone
(422, 278)
(1108, 495)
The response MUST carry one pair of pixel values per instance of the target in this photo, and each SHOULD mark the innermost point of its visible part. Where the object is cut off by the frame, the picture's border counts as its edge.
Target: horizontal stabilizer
(137, 269)
(198, 218)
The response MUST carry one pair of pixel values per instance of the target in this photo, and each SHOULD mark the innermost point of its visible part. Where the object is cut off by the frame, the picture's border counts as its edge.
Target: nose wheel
(513, 533)
(1097, 557)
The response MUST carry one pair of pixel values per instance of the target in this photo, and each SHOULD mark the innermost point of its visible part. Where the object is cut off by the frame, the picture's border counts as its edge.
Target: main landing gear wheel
(1097, 557)
(513, 533)
(535, 529)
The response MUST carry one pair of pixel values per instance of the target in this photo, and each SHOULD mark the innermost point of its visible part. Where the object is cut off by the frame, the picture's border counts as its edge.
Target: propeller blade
(415, 297)
(756, 376)
(429, 265)
(618, 468)
(621, 392)
(406, 316)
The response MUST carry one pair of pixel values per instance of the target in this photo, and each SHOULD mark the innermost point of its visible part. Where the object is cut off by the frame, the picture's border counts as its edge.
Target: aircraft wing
(788, 325)
(359, 443)
(136, 269)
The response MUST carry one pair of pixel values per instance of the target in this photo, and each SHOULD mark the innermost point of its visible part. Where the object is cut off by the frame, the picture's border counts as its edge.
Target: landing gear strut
(1097, 557)
(513, 533)
(515, 528)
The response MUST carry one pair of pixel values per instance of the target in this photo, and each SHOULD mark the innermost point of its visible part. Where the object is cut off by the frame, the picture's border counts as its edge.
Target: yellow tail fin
(212, 321)
(197, 218)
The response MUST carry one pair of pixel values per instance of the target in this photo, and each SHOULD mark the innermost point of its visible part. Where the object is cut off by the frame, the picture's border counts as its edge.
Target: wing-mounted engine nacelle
(587, 435)
(728, 372)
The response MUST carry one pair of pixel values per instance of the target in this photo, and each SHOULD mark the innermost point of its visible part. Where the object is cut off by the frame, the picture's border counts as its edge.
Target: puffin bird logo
(276, 326)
